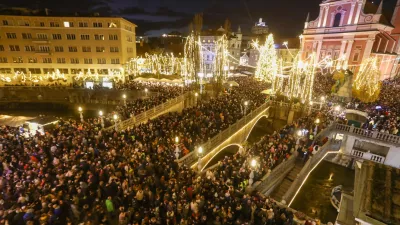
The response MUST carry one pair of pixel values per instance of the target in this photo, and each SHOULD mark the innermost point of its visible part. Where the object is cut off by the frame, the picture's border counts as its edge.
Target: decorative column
(348, 50)
(318, 51)
(342, 47)
(358, 13)
(351, 12)
(368, 48)
(321, 12)
(326, 15)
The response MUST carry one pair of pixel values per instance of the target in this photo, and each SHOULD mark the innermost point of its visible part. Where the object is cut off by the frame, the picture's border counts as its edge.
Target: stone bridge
(238, 133)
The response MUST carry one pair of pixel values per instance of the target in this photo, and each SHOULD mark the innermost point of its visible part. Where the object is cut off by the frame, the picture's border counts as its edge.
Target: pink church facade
(343, 30)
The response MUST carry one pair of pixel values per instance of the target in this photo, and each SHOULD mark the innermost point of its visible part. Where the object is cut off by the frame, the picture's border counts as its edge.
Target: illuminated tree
(221, 62)
(367, 85)
(267, 64)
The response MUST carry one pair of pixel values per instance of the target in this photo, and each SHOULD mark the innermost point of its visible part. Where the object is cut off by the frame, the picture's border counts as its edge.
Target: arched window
(336, 21)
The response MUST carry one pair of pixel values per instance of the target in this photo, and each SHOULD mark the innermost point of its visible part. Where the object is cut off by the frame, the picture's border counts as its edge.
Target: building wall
(355, 37)
(96, 43)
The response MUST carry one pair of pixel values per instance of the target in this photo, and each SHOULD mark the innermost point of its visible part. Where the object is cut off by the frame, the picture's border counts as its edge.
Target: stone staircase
(282, 188)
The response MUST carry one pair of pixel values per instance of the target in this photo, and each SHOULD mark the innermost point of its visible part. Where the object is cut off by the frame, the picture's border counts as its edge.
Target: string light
(221, 62)
(367, 85)
(22, 77)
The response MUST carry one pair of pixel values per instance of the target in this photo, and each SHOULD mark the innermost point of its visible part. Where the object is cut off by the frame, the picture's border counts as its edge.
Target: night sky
(154, 17)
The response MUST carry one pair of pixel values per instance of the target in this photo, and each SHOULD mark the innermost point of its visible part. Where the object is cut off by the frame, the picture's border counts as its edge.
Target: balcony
(40, 40)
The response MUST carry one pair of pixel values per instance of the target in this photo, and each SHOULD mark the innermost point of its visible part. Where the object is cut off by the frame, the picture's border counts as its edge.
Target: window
(74, 61)
(102, 71)
(128, 38)
(54, 24)
(75, 71)
(18, 60)
(336, 21)
(60, 60)
(5, 22)
(47, 60)
(57, 36)
(32, 60)
(41, 24)
(64, 71)
(71, 37)
(23, 23)
(5, 70)
(113, 37)
(67, 24)
(44, 48)
(115, 61)
(48, 70)
(3, 59)
(59, 49)
(11, 35)
(101, 61)
(88, 71)
(29, 48)
(86, 49)
(14, 48)
(41, 36)
(114, 49)
(21, 70)
(26, 36)
(98, 37)
(83, 24)
(35, 70)
(97, 24)
(356, 56)
(129, 49)
(88, 61)
(85, 37)
(72, 49)
(100, 49)
(1, 48)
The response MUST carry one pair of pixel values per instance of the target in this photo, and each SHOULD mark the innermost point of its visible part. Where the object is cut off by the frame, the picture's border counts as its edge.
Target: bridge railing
(331, 145)
(144, 116)
(190, 158)
(393, 139)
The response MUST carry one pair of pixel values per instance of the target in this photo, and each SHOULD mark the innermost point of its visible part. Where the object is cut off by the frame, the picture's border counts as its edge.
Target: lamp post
(80, 110)
(317, 121)
(145, 91)
(115, 121)
(322, 102)
(337, 111)
(124, 97)
(196, 95)
(199, 154)
(246, 103)
(230, 88)
(201, 75)
(101, 118)
(253, 165)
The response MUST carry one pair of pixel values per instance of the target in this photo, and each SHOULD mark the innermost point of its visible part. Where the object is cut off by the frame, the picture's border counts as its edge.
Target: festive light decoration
(301, 80)
(267, 63)
(221, 61)
(155, 64)
(21, 77)
(193, 63)
(367, 85)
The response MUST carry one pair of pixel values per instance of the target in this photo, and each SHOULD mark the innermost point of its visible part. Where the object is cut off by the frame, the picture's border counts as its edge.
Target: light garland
(23, 78)
(367, 85)
(221, 62)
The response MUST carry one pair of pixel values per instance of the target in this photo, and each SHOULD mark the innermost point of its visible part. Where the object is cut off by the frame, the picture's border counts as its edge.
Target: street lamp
(246, 103)
(145, 91)
(253, 165)
(80, 110)
(177, 151)
(199, 154)
(317, 121)
(124, 97)
(101, 118)
(176, 139)
(299, 134)
(115, 117)
(195, 99)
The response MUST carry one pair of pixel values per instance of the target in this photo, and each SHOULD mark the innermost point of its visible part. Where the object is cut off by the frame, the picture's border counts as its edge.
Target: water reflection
(314, 197)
